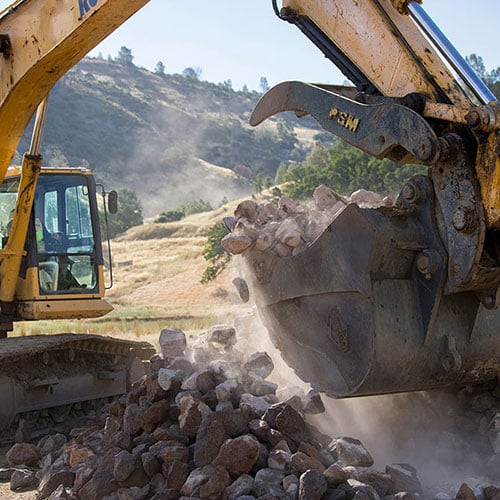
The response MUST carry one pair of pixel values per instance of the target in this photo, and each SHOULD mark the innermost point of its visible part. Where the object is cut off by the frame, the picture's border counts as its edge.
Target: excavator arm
(40, 40)
(401, 298)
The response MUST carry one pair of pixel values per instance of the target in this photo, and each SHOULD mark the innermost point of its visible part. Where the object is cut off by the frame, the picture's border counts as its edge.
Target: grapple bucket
(362, 310)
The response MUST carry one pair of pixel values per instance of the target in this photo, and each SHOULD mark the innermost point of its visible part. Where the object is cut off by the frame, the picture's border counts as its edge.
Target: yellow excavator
(402, 298)
(385, 300)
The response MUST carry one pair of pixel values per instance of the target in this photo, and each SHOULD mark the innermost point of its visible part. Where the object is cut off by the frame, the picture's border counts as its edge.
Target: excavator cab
(61, 273)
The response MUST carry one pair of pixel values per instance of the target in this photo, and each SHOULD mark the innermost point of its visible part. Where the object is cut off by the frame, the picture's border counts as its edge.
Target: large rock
(23, 454)
(206, 482)
(312, 485)
(172, 342)
(350, 451)
(238, 455)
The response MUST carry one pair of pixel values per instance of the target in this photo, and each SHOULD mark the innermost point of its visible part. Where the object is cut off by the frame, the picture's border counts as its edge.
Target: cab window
(64, 235)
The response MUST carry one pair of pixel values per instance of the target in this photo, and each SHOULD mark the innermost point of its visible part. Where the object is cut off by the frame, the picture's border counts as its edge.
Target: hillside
(162, 135)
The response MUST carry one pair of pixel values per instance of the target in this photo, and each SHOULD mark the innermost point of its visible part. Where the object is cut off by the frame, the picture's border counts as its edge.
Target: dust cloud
(421, 428)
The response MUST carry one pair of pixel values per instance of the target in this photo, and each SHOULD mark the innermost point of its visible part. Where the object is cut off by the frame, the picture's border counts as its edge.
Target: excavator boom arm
(40, 40)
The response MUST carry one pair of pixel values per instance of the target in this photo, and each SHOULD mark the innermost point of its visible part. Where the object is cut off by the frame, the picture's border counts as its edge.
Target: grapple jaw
(363, 310)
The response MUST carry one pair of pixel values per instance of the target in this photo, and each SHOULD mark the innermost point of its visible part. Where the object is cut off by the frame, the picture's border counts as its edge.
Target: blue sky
(243, 41)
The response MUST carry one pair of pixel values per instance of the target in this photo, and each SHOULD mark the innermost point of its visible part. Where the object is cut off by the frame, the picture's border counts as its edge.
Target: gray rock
(172, 342)
(265, 479)
(222, 334)
(260, 363)
(240, 487)
(134, 493)
(312, 403)
(206, 482)
(226, 389)
(53, 479)
(22, 478)
(312, 485)
(132, 419)
(125, 464)
(51, 443)
(150, 464)
(258, 404)
(404, 477)
(168, 379)
(350, 451)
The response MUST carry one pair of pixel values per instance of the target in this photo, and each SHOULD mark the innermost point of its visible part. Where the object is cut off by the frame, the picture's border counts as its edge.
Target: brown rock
(154, 391)
(132, 419)
(236, 243)
(238, 455)
(290, 423)
(52, 479)
(176, 473)
(23, 453)
(247, 209)
(78, 454)
(465, 493)
(206, 482)
(191, 415)
(302, 462)
(174, 453)
(155, 415)
(335, 475)
(101, 484)
(209, 438)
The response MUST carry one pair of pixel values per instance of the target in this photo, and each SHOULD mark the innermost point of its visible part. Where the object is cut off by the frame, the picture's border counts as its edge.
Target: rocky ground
(213, 420)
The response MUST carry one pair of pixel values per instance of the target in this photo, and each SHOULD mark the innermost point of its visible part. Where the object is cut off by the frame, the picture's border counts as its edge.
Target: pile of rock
(206, 423)
(290, 227)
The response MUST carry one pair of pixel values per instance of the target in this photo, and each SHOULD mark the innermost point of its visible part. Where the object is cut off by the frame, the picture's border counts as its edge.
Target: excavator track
(53, 373)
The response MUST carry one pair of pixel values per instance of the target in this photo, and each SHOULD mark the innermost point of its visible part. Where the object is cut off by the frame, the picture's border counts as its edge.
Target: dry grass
(157, 271)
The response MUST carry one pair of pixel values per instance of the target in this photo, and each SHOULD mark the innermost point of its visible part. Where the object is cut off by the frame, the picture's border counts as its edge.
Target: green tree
(129, 213)
(264, 86)
(280, 173)
(258, 184)
(491, 78)
(345, 169)
(192, 73)
(160, 68)
(214, 253)
(125, 56)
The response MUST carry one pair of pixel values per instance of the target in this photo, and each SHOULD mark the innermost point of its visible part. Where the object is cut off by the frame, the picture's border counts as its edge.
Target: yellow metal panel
(47, 38)
(62, 309)
(366, 37)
